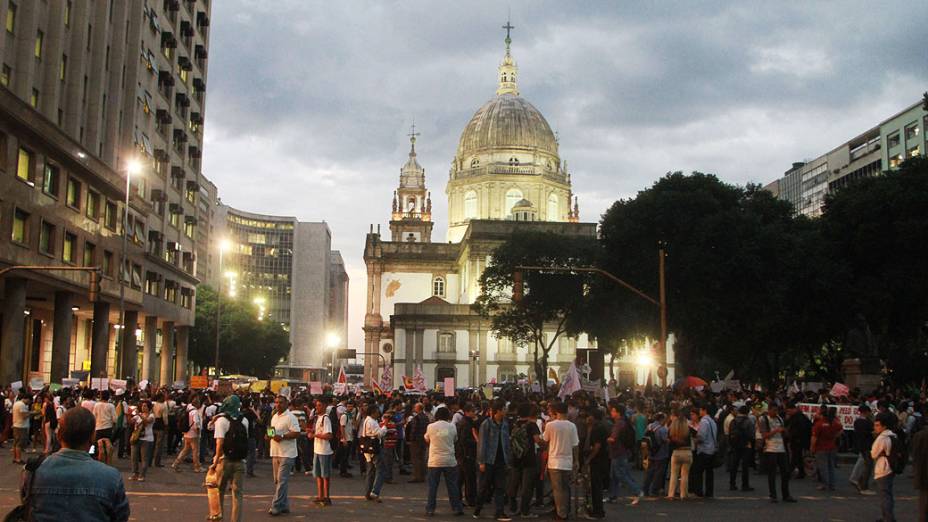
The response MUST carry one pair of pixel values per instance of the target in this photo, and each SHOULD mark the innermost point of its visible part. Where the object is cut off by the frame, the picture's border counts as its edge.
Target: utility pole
(662, 365)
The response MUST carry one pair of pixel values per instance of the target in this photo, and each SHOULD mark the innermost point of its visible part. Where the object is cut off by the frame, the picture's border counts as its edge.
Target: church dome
(507, 121)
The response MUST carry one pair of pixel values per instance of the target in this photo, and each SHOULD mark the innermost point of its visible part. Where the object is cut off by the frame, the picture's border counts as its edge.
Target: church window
(553, 213)
(443, 372)
(514, 161)
(470, 205)
(506, 374)
(513, 196)
(438, 286)
(446, 342)
(474, 163)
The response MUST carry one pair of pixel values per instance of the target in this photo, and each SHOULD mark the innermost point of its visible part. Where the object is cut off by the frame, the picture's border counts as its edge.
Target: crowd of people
(519, 453)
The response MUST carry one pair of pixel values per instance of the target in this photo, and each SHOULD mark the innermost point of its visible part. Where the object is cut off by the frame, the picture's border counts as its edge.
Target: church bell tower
(411, 219)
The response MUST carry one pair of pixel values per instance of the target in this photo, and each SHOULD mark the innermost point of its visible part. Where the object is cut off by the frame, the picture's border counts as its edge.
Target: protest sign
(315, 387)
(846, 413)
(198, 382)
(449, 386)
(99, 383)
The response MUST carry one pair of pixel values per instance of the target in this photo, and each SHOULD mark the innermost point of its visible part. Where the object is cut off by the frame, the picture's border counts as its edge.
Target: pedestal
(862, 373)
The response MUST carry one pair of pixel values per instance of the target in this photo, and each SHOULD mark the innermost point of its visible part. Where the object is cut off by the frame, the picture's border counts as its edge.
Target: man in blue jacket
(71, 485)
(493, 458)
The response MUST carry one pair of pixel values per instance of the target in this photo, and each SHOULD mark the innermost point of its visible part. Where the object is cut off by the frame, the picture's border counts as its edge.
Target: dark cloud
(309, 101)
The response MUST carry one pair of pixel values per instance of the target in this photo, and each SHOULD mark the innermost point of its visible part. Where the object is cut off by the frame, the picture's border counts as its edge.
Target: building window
(474, 163)
(52, 180)
(24, 164)
(73, 197)
(93, 205)
(894, 161)
(20, 227)
(186, 297)
(911, 131)
(34, 98)
(153, 283)
(189, 229)
(504, 345)
(39, 40)
(63, 67)
(107, 263)
(892, 140)
(443, 372)
(438, 286)
(553, 211)
(47, 238)
(470, 205)
(70, 245)
(90, 254)
(170, 291)
(110, 215)
(67, 14)
(5, 75)
(137, 276)
(912, 152)
(11, 18)
(513, 161)
(446, 342)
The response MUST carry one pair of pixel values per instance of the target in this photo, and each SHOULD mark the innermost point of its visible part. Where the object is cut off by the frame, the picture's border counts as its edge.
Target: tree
(552, 304)
(247, 345)
(879, 227)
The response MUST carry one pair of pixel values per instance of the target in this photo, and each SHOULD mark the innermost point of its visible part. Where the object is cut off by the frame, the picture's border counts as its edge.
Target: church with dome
(506, 176)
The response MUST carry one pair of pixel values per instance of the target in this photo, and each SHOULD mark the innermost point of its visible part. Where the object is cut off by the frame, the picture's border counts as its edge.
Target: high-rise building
(880, 148)
(287, 268)
(91, 92)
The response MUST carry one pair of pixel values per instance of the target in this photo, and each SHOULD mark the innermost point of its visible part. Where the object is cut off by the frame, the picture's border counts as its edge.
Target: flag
(407, 382)
(419, 380)
(552, 374)
(839, 390)
(375, 387)
(341, 384)
(571, 382)
(386, 378)
(342, 378)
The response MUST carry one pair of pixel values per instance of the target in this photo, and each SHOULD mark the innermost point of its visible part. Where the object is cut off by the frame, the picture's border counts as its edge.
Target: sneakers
(637, 499)
(502, 517)
(856, 486)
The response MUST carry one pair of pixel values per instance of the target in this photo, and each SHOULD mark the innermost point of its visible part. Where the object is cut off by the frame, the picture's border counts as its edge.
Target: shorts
(104, 434)
(322, 466)
(20, 437)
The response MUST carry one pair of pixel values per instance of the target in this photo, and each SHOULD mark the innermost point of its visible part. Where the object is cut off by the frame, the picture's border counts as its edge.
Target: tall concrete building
(878, 149)
(92, 91)
(287, 268)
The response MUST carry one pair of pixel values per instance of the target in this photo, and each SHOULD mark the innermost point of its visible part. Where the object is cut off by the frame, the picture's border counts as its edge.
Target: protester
(621, 447)
(417, 451)
(322, 435)
(681, 445)
(49, 422)
(799, 439)
(21, 425)
(706, 447)
(283, 432)
(882, 470)
(70, 481)
(740, 445)
(230, 430)
(105, 413)
(493, 457)
(825, 433)
(190, 424)
(771, 430)
(524, 438)
(597, 463)
(862, 442)
(467, 454)
(658, 436)
(144, 438)
(441, 436)
(563, 459)
(347, 421)
(372, 435)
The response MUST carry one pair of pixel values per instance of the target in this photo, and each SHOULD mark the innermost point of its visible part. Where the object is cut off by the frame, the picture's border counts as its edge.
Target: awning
(190, 220)
(166, 77)
(193, 186)
(199, 85)
(202, 19)
(184, 63)
(194, 151)
(178, 172)
(168, 40)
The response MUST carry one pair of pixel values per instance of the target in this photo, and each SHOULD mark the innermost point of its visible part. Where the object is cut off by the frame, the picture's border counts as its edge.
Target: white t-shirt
(208, 413)
(562, 438)
(105, 414)
(88, 405)
(196, 424)
(323, 426)
(347, 427)
(221, 426)
(284, 423)
(20, 415)
(148, 433)
(441, 436)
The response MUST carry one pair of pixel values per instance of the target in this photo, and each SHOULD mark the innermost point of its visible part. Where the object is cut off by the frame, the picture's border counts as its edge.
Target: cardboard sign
(142, 385)
(70, 383)
(315, 388)
(449, 386)
(846, 413)
(178, 385)
(117, 384)
(199, 382)
(341, 388)
(99, 383)
(488, 391)
(16, 385)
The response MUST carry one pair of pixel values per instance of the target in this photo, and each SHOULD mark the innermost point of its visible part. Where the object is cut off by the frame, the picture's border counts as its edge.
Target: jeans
(469, 479)
(704, 474)
(521, 488)
(158, 447)
(560, 490)
(250, 459)
(281, 467)
(654, 477)
(885, 487)
(680, 462)
(825, 462)
(191, 447)
(621, 472)
(740, 457)
(232, 474)
(493, 478)
(451, 483)
(375, 474)
(141, 451)
(863, 470)
(774, 462)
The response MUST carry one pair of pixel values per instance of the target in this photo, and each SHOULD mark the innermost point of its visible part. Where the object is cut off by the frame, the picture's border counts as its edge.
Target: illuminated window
(893, 139)
(446, 342)
(107, 263)
(70, 244)
(47, 238)
(52, 180)
(39, 40)
(73, 197)
(93, 205)
(912, 152)
(911, 131)
(63, 67)
(90, 254)
(5, 75)
(24, 164)
(34, 98)
(11, 17)
(20, 226)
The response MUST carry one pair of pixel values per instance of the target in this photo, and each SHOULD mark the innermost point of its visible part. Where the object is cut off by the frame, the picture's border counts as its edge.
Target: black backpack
(335, 425)
(898, 453)
(738, 436)
(182, 419)
(235, 446)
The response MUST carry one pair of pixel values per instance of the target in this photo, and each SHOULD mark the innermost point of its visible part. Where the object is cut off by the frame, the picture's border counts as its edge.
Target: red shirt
(826, 435)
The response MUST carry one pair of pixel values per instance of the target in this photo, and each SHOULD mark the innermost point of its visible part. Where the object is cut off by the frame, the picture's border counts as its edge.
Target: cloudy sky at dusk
(309, 103)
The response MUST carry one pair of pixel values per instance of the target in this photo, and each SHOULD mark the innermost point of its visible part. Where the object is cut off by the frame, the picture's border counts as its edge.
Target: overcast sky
(309, 103)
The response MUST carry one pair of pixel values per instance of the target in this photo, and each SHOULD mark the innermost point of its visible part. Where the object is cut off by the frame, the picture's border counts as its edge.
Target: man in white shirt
(191, 438)
(563, 458)
(282, 434)
(882, 470)
(376, 465)
(322, 453)
(105, 414)
(441, 436)
(20, 426)
(346, 420)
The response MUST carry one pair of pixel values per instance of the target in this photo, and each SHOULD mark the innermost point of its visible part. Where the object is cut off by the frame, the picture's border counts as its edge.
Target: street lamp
(224, 244)
(133, 168)
(332, 342)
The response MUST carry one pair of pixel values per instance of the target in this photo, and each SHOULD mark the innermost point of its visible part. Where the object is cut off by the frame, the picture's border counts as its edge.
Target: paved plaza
(168, 496)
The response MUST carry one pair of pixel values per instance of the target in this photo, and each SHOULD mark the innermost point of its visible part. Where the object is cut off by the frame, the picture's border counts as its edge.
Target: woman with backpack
(680, 444)
(142, 440)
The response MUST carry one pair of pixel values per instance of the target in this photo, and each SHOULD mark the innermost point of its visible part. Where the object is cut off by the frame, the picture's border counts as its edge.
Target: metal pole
(663, 301)
(122, 266)
(218, 314)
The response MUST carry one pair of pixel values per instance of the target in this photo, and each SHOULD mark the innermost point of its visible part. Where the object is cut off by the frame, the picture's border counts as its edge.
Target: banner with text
(846, 414)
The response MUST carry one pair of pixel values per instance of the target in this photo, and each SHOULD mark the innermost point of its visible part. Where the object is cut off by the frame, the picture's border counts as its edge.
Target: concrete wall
(309, 298)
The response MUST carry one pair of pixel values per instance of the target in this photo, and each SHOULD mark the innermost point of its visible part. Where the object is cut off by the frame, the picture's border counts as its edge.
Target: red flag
(375, 386)
(342, 378)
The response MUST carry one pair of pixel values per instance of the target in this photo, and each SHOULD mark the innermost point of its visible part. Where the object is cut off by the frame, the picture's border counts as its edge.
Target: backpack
(519, 441)
(654, 443)
(235, 446)
(898, 454)
(182, 419)
(738, 436)
(336, 429)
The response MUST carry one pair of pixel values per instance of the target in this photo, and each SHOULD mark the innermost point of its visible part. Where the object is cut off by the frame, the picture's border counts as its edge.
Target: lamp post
(132, 167)
(224, 245)
(332, 342)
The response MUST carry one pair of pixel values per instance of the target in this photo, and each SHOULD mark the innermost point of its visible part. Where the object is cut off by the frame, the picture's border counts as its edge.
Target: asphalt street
(168, 496)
